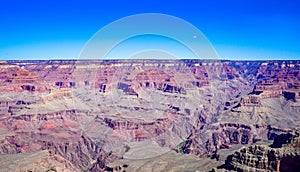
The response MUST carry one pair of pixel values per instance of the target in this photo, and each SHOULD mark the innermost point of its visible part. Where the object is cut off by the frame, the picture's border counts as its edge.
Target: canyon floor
(149, 115)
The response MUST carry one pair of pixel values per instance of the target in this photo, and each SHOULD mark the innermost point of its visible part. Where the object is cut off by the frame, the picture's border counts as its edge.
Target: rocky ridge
(90, 112)
(262, 157)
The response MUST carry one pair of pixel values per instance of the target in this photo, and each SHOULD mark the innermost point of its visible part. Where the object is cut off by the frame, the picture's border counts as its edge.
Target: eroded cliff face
(88, 113)
(224, 136)
(255, 158)
(262, 157)
(57, 135)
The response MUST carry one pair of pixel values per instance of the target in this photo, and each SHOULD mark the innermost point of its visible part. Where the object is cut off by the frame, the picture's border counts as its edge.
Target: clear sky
(238, 29)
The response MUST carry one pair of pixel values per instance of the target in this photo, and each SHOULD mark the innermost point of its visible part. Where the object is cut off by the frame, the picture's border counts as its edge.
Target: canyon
(130, 115)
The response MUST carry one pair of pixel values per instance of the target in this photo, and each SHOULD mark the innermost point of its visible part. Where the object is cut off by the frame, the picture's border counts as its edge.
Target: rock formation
(261, 157)
(90, 114)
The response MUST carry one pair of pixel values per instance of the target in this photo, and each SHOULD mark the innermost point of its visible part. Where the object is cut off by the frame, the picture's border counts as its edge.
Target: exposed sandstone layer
(261, 157)
(89, 112)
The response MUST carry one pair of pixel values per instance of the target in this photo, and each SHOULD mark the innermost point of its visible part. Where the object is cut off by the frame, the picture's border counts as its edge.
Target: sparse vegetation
(180, 147)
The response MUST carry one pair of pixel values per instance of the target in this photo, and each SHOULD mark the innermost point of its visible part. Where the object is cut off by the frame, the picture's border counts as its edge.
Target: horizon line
(149, 59)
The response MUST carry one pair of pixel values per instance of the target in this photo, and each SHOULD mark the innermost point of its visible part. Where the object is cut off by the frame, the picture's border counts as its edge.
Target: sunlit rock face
(102, 115)
(282, 155)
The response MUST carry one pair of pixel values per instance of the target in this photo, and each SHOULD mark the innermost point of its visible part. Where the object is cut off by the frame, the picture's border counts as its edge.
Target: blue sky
(55, 29)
